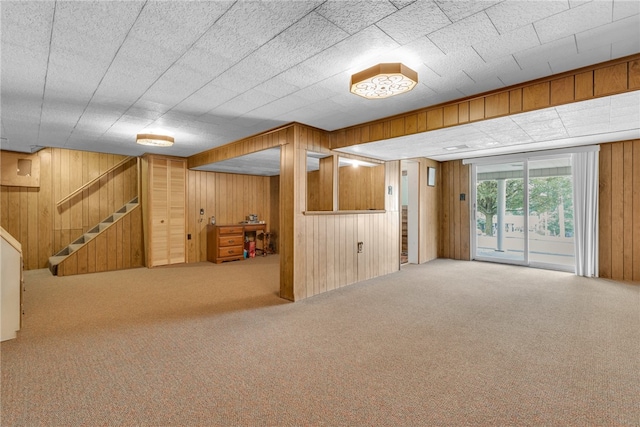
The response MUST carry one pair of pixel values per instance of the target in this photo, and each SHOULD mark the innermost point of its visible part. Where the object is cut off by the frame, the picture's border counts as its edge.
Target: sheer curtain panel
(585, 205)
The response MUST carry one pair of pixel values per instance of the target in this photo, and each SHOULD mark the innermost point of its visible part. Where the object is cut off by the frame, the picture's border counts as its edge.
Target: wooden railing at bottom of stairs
(114, 244)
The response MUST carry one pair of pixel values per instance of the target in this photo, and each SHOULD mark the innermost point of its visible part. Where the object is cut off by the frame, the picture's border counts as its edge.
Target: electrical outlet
(360, 245)
(201, 211)
(189, 236)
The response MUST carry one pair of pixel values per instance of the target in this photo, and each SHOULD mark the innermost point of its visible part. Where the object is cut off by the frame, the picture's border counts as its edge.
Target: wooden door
(167, 211)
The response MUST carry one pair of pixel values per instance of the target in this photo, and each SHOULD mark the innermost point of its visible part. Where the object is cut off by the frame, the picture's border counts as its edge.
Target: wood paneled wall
(228, 197)
(613, 77)
(361, 188)
(619, 227)
(325, 246)
(454, 236)
(119, 247)
(31, 214)
(428, 212)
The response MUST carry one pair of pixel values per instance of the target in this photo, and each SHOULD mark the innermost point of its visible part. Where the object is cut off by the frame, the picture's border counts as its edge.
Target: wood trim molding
(604, 79)
(268, 139)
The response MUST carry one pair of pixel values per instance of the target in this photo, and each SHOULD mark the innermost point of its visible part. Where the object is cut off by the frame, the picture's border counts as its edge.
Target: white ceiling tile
(486, 85)
(624, 29)
(572, 62)
(461, 59)
(417, 19)
(625, 8)
(244, 103)
(512, 14)
(364, 49)
(259, 22)
(354, 16)
(504, 131)
(246, 75)
(311, 35)
(625, 47)
(455, 80)
(532, 72)
(557, 49)
(457, 10)
(27, 24)
(485, 71)
(508, 43)
(177, 84)
(574, 20)
(464, 33)
(206, 99)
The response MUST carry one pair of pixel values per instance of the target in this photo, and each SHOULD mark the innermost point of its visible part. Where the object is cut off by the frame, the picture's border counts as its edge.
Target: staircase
(56, 259)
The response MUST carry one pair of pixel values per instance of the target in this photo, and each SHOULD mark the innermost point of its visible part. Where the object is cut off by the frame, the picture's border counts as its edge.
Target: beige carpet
(445, 343)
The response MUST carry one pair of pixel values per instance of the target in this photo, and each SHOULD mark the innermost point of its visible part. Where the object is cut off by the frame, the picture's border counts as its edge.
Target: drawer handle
(230, 251)
(231, 240)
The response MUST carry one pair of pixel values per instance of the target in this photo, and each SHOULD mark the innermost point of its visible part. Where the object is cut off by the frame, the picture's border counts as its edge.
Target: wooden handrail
(93, 181)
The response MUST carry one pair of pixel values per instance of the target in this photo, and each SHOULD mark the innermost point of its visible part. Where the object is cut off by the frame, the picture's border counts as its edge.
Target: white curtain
(585, 212)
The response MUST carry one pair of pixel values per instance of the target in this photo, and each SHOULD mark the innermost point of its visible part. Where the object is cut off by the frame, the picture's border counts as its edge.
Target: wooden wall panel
(619, 235)
(428, 212)
(361, 188)
(497, 105)
(32, 214)
(604, 238)
(634, 74)
(610, 80)
(454, 218)
(562, 90)
(324, 251)
(584, 85)
(227, 197)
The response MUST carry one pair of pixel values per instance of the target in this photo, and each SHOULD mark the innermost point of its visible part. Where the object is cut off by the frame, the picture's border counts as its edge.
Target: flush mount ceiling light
(154, 139)
(383, 81)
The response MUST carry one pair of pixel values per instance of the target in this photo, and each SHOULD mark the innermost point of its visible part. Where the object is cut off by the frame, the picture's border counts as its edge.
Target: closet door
(167, 178)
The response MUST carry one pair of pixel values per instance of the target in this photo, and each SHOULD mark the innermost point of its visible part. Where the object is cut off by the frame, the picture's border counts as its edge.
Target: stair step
(74, 247)
(55, 260)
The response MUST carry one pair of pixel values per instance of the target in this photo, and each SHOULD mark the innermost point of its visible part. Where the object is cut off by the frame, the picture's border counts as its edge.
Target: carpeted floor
(445, 343)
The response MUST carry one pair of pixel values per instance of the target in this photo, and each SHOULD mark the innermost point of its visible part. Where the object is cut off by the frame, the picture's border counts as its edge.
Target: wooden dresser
(226, 242)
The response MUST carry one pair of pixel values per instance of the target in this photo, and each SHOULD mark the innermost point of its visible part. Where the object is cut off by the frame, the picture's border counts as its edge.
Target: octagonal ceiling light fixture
(383, 81)
(155, 140)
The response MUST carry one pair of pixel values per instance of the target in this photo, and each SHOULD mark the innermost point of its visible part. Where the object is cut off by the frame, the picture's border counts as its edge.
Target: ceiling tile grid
(575, 20)
(418, 19)
(512, 14)
(211, 72)
(465, 33)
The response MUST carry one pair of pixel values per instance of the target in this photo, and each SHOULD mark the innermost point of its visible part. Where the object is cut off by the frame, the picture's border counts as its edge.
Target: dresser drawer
(230, 230)
(230, 251)
(230, 240)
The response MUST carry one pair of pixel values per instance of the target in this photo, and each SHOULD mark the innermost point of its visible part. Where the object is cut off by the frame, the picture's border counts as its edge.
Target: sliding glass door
(522, 224)
(551, 212)
(499, 212)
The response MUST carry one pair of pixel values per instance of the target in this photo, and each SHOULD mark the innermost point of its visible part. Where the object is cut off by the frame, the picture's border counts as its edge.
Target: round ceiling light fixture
(154, 140)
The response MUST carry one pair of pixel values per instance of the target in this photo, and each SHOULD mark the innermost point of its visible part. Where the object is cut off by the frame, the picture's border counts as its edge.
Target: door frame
(524, 158)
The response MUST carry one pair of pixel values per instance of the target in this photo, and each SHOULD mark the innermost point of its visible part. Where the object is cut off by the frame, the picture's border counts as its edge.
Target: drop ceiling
(91, 75)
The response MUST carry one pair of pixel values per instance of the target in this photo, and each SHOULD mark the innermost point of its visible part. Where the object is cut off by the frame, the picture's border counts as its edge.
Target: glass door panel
(500, 207)
(551, 212)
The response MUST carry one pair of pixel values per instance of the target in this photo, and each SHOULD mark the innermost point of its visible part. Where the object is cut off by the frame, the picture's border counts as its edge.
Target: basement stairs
(59, 257)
